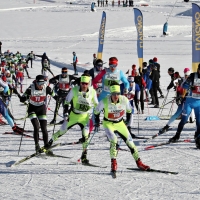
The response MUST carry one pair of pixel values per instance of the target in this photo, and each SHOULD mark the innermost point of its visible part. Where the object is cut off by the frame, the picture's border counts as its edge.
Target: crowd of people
(99, 89)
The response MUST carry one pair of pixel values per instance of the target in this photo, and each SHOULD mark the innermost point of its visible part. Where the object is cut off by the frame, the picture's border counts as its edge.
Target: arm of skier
(54, 80)
(98, 78)
(124, 80)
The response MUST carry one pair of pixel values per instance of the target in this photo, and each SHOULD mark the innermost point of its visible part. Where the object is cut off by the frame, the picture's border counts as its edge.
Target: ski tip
(79, 160)
(10, 164)
(148, 148)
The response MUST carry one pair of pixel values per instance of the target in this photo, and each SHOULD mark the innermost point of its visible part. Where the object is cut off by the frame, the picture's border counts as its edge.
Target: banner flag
(195, 36)
(139, 27)
(101, 36)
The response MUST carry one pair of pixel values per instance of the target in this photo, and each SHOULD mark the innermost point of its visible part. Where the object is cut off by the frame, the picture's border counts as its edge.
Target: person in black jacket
(44, 58)
(155, 60)
(171, 73)
(30, 57)
(62, 88)
(37, 93)
(155, 84)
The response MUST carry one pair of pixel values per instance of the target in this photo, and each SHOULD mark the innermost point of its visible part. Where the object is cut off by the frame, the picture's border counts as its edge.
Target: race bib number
(116, 115)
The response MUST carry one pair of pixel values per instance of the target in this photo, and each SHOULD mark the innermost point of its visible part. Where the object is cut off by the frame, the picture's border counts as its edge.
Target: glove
(18, 129)
(97, 123)
(179, 100)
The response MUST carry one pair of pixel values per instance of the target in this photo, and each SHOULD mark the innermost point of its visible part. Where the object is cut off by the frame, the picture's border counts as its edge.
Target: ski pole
(164, 101)
(171, 11)
(88, 144)
(53, 112)
(59, 102)
(167, 103)
(138, 118)
(48, 103)
(23, 129)
(146, 101)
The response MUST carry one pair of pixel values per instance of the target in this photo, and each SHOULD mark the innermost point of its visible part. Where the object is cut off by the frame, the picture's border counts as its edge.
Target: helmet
(44, 53)
(133, 66)
(94, 55)
(155, 59)
(39, 78)
(171, 69)
(113, 61)
(74, 53)
(99, 62)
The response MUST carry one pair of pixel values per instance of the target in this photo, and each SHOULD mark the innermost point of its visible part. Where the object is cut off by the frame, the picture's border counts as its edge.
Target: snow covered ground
(59, 28)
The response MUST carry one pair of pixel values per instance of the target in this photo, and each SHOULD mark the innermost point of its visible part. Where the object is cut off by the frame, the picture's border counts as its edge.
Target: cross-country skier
(179, 101)
(36, 94)
(115, 106)
(192, 85)
(44, 58)
(108, 75)
(31, 57)
(62, 88)
(98, 67)
(4, 90)
(83, 100)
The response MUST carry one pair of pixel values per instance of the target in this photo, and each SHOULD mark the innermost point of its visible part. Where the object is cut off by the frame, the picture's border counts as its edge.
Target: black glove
(128, 118)
(179, 100)
(18, 129)
(97, 123)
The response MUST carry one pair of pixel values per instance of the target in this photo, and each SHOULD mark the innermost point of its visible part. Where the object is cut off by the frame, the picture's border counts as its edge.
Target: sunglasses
(40, 83)
(83, 83)
(64, 72)
(130, 81)
(99, 65)
(113, 66)
(115, 93)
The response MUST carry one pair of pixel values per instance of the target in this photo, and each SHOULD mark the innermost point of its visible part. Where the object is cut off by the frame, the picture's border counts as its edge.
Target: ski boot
(164, 129)
(141, 165)
(156, 106)
(49, 152)
(37, 149)
(175, 138)
(84, 159)
(113, 165)
(197, 141)
(161, 96)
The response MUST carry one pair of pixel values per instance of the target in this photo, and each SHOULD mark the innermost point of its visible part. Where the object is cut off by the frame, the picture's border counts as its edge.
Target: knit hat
(187, 71)
(155, 59)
